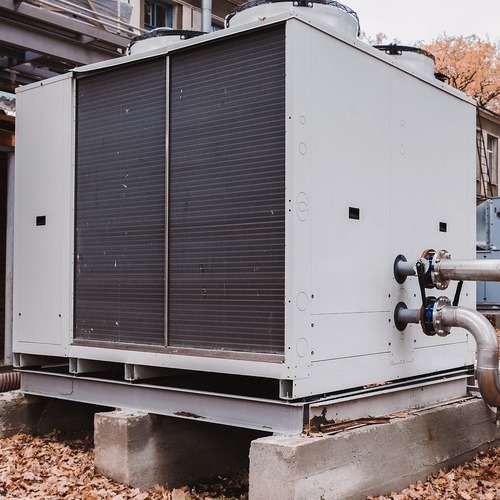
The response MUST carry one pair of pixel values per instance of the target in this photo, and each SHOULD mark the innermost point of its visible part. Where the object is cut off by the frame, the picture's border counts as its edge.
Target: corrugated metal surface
(120, 205)
(226, 194)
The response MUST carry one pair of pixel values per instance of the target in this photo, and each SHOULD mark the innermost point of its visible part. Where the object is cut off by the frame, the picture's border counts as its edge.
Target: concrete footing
(371, 460)
(37, 415)
(141, 449)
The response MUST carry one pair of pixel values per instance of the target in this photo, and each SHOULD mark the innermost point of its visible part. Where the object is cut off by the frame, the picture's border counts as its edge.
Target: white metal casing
(362, 132)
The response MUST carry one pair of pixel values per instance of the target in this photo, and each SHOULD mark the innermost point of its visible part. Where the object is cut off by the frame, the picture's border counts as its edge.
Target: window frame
(491, 144)
(155, 5)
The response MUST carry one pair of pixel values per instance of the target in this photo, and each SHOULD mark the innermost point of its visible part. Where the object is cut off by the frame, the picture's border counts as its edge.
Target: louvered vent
(227, 194)
(120, 205)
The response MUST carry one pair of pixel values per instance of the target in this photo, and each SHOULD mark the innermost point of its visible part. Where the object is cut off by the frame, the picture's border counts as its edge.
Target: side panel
(382, 164)
(43, 213)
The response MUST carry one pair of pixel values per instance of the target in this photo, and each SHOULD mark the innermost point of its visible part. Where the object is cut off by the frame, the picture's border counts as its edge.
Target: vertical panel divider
(167, 162)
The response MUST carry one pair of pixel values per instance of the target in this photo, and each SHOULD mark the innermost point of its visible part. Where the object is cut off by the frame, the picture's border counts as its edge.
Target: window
(492, 155)
(157, 14)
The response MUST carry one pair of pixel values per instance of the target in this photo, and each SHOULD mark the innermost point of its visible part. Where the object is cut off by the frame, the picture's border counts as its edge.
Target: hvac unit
(221, 216)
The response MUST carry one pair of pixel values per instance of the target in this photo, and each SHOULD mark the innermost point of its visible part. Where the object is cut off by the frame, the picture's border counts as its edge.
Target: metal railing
(91, 15)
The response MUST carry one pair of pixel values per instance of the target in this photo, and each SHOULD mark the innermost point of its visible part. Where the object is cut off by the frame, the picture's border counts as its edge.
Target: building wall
(490, 123)
(186, 14)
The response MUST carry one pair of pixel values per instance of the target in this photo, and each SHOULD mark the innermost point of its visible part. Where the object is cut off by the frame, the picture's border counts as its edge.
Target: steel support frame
(269, 415)
(265, 415)
(392, 400)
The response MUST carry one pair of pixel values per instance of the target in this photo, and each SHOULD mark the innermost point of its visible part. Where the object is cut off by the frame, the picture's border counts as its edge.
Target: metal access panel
(488, 245)
(488, 224)
(488, 292)
(43, 217)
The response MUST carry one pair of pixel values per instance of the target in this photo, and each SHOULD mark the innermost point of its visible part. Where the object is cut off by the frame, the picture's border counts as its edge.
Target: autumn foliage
(51, 468)
(471, 65)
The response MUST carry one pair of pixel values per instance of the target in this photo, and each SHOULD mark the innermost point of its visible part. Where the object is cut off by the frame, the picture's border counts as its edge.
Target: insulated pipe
(487, 348)
(206, 16)
(468, 270)
(10, 381)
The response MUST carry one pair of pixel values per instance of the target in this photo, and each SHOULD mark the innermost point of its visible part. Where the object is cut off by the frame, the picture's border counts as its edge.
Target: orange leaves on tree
(472, 65)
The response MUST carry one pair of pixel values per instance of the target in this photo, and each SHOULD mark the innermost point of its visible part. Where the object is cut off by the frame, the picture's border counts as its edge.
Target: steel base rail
(267, 415)
(278, 417)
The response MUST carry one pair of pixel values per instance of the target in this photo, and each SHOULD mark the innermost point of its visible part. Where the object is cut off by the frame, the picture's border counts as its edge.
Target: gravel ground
(56, 467)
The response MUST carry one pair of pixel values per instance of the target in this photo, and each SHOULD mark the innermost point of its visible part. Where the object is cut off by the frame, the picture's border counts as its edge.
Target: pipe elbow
(489, 386)
(487, 348)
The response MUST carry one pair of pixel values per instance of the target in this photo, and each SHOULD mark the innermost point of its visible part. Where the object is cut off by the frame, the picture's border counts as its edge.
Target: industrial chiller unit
(232, 225)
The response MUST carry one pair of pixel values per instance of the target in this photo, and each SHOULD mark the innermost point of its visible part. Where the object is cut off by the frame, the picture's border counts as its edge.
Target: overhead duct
(206, 16)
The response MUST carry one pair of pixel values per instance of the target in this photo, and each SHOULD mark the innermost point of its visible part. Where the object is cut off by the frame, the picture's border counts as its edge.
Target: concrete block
(371, 460)
(15, 413)
(37, 415)
(142, 450)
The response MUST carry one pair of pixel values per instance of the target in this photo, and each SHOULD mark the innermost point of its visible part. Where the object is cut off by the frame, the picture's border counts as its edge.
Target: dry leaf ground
(56, 467)
(477, 479)
(53, 467)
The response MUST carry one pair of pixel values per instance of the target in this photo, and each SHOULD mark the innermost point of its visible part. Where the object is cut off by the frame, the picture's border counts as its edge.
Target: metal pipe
(403, 268)
(468, 270)
(206, 16)
(408, 315)
(487, 348)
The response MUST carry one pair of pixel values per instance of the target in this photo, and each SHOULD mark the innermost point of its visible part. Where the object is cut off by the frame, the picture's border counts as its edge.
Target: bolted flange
(431, 316)
(432, 276)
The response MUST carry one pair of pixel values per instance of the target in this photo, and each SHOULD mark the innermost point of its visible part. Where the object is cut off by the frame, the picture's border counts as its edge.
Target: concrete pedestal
(37, 415)
(371, 460)
(142, 450)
